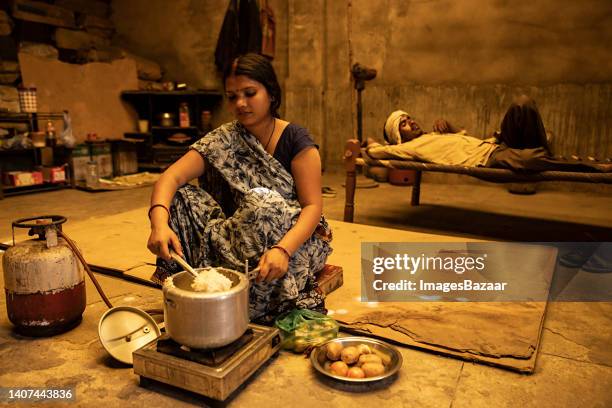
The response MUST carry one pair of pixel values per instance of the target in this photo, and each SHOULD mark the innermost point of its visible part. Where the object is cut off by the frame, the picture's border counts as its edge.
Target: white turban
(392, 127)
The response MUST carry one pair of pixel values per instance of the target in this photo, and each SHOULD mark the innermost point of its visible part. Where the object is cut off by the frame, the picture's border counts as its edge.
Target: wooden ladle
(183, 263)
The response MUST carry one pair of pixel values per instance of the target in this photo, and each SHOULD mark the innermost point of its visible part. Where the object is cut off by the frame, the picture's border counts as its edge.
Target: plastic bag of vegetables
(302, 329)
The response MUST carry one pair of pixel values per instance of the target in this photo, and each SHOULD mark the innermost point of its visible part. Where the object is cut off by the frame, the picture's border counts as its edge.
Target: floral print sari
(263, 207)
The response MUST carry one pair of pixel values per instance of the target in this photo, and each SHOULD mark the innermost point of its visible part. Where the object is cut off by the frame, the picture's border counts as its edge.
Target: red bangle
(282, 249)
(158, 205)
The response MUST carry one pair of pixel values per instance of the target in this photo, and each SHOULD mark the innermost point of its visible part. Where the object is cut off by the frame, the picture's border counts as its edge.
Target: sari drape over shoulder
(261, 208)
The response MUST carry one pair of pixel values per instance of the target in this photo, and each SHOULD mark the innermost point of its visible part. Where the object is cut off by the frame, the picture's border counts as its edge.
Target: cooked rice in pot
(210, 281)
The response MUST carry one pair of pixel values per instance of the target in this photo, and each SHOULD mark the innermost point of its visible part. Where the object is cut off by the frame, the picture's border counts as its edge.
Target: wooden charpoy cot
(353, 157)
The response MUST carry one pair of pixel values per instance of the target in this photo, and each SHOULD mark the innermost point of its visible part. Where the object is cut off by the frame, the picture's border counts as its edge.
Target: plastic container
(302, 329)
(38, 139)
(184, 115)
(309, 335)
(92, 177)
(206, 121)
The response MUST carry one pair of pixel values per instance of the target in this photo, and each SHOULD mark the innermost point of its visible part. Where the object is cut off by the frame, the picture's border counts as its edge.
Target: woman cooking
(273, 170)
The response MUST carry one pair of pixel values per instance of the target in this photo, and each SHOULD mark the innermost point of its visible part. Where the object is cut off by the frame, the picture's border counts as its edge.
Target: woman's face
(247, 100)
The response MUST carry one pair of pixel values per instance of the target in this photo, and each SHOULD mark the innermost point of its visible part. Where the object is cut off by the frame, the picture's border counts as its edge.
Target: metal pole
(359, 116)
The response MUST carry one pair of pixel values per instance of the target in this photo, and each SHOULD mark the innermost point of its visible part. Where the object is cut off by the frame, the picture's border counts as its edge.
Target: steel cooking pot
(206, 320)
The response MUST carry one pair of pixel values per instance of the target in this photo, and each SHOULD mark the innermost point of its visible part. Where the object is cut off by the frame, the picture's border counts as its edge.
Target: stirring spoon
(183, 263)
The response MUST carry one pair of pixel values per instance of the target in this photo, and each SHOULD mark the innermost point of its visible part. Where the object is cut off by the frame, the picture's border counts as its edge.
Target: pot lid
(124, 329)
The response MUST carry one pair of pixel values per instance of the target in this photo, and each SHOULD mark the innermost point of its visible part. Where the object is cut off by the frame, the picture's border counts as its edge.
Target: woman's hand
(273, 265)
(161, 240)
(306, 170)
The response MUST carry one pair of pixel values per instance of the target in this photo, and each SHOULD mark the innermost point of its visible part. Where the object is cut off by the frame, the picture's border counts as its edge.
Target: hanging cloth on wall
(240, 32)
(268, 29)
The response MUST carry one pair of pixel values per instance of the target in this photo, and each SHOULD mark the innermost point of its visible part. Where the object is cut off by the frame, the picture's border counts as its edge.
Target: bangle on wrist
(158, 205)
(286, 252)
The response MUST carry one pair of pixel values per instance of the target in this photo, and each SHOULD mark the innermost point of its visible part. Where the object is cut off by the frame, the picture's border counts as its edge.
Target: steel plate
(318, 358)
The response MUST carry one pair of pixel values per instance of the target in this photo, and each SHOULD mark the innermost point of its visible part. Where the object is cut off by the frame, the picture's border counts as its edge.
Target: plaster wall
(90, 92)
(463, 61)
(181, 35)
(306, 71)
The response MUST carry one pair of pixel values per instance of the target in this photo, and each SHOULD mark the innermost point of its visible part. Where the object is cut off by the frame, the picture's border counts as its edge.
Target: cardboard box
(22, 178)
(101, 154)
(80, 157)
(56, 174)
(125, 157)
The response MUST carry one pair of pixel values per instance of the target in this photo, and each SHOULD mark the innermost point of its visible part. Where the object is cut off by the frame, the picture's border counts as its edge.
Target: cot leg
(350, 155)
(416, 189)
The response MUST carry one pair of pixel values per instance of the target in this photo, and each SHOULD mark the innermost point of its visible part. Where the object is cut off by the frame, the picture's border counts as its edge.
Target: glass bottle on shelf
(184, 115)
(206, 121)
(50, 139)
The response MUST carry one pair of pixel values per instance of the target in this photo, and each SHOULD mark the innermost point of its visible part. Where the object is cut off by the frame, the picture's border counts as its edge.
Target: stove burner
(209, 357)
(183, 370)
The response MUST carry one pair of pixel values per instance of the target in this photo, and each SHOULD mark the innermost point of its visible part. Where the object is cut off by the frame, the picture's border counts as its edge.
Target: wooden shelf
(61, 154)
(157, 152)
(24, 150)
(12, 116)
(31, 118)
(34, 188)
(137, 135)
(174, 129)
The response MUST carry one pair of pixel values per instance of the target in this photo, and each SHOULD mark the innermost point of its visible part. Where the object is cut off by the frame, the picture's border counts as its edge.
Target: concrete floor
(460, 208)
(574, 366)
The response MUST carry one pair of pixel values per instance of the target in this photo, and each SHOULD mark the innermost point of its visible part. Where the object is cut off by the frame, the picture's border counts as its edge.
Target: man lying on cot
(520, 145)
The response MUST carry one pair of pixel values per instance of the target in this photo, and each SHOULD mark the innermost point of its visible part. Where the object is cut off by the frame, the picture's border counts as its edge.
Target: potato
(369, 358)
(386, 359)
(349, 355)
(373, 369)
(355, 372)
(364, 349)
(333, 351)
(339, 368)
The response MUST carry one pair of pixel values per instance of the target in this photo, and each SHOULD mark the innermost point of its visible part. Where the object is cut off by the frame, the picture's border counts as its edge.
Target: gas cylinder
(44, 280)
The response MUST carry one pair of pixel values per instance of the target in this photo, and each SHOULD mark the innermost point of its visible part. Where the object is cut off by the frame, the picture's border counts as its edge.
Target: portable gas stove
(213, 373)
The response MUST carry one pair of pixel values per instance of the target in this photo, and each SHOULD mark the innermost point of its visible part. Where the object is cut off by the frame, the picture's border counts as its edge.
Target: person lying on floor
(520, 145)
